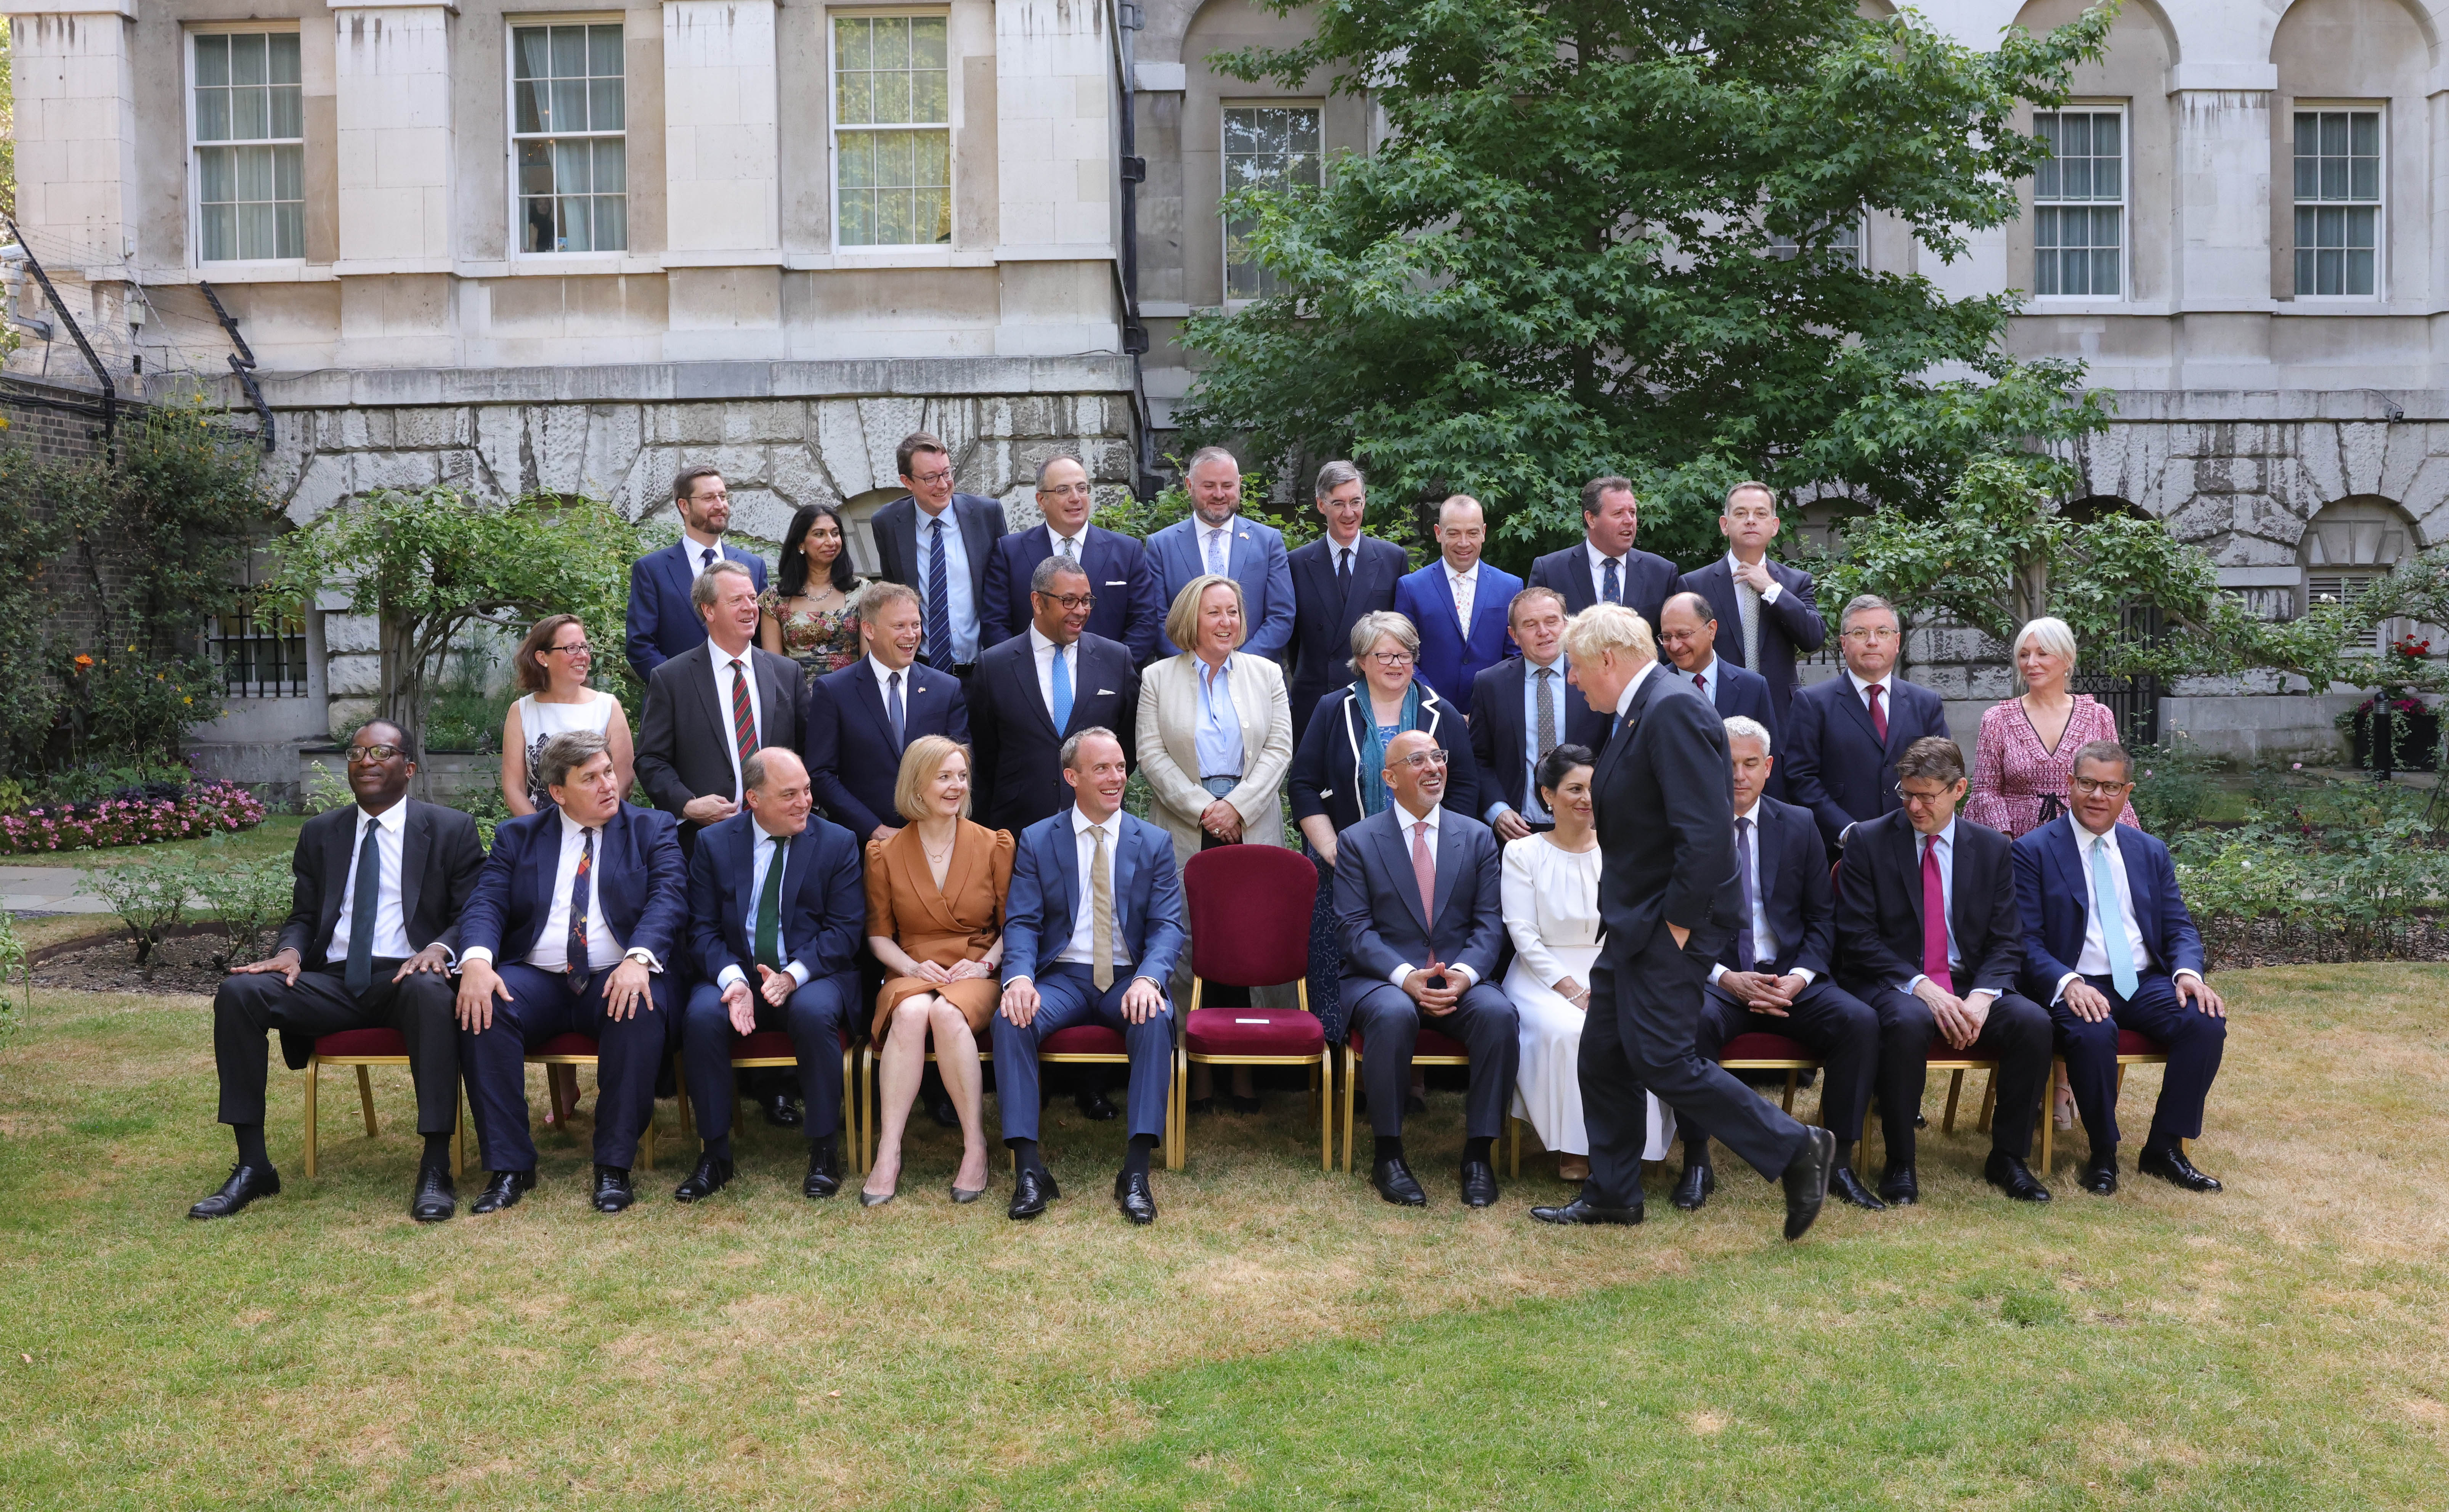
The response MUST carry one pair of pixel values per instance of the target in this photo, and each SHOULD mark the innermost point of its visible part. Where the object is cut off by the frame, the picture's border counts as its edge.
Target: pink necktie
(1934, 918)
(1424, 870)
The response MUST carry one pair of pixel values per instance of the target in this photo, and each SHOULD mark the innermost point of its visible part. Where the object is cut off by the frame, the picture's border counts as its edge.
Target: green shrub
(2174, 783)
(151, 897)
(324, 792)
(249, 897)
(484, 803)
(16, 977)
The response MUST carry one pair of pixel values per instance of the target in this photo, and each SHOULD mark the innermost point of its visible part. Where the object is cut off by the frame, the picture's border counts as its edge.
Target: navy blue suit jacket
(824, 898)
(1258, 564)
(662, 623)
(639, 881)
(848, 742)
(1796, 895)
(1045, 899)
(1448, 660)
(2055, 902)
(894, 528)
(1790, 628)
(1326, 769)
(1320, 658)
(1500, 742)
(1648, 578)
(1378, 898)
(1120, 576)
(1833, 763)
(1018, 776)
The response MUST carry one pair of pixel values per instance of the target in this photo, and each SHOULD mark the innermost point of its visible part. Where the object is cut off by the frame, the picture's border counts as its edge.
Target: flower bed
(204, 808)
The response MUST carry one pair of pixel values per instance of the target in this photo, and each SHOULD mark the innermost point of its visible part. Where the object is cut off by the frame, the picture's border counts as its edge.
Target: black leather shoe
(1693, 1188)
(942, 1111)
(822, 1180)
(244, 1184)
(612, 1191)
(503, 1190)
(1846, 1183)
(2100, 1175)
(1031, 1192)
(1395, 1182)
(434, 1200)
(1579, 1210)
(781, 1111)
(1132, 1195)
(2169, 1164)
(1806, 1182)
(2011, 1175)
(1900, 1187)
(1479, 1184)
(1414, 1102)
(710, 1177)
(1248, 1105)
(1205, 1107)
(1096, 1106)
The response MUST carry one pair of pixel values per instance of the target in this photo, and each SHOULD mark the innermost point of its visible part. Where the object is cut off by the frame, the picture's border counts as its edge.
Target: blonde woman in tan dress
(934, 917)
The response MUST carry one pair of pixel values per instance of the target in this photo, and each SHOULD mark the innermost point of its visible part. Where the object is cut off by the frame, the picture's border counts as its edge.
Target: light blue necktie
(1216, 553)
(1062, 683)
(2112, 920)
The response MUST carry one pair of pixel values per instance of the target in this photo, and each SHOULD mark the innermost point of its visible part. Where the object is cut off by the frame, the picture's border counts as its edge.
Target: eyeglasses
(1874, 636)
(1927, 800)
(582, 648)
(710, 498)
(2091, 788)
(1070, 601)
(931, 479)
(359, 754)
(1068, 491)
(1391, 658)
(1420, 759)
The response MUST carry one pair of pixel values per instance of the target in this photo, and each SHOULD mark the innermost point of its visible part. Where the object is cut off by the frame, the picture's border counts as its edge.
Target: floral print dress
(821, 641)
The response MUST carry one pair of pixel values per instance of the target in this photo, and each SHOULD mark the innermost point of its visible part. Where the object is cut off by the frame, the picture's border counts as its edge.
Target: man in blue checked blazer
(861, 718)
(1122, 581)
(661, 622)
(1455, 590)
(1092, 927)
(1218, 539)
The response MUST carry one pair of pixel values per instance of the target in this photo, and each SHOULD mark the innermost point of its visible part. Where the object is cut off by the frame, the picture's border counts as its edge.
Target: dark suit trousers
(1833, 1023)
(1389, 1024)
(544, 1004)
(813, 1014)
(2016, 1034)
(2194, 1040)
(1065, 997)
(246, 1008)
(1643, 1034)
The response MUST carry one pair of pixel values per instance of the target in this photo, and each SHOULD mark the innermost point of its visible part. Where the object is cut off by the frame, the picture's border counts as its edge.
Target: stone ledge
(648, 382)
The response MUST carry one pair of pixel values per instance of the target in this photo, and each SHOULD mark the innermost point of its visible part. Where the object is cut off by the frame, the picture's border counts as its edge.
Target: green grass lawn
(274, 839)
(1280, 1338)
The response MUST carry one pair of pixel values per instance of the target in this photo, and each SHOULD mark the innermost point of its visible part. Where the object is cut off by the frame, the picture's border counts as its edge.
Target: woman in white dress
(1551, 896)
(552, 665)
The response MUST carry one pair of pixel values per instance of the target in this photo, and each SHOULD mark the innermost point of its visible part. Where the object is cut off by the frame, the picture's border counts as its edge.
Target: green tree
(429, 566)
(1603, 236)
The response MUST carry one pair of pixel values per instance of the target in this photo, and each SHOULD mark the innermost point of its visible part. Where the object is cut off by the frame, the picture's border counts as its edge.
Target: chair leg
(1954, 1085)
(1513, 1149)
(680, 1092)
(458, 1135)
(1989, 1100)
(1322, 1080)
(849, 1111)
(313, 1066)
(366, 1099)
(1793, 1079)
(1351, 1076)
(647, 1142)
(1176, 1097)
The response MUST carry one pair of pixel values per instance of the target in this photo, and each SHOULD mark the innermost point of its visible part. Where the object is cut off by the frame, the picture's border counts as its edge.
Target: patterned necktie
(1879, 711)
(743, 718)
(1463, 584)
(1342, 571)
(939, 600)
(363, 901)
(1747, 605)
(1062, 681)
(768, 946)
(1547, 712)
(1424, 871)
(1934, 918)
(892, 712)
(1747, 954)
(2112, 920)
(579, 894)
(1612, 589)
(1216, 552)
(1101, 914)
(1068, 555)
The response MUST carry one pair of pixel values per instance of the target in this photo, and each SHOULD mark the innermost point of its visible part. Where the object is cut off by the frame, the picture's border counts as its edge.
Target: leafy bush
(151, 897)
(2174, 783)
(324, 792)
(484, 805)
(2351, 864)
(16, 977)
(250, 897)
(204, 808)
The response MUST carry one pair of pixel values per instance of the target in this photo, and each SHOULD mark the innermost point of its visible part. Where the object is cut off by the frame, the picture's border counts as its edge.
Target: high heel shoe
(869, 1199)
(967, 1194)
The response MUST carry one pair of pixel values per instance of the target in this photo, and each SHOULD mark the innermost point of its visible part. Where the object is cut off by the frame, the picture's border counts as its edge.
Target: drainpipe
(1129, 18)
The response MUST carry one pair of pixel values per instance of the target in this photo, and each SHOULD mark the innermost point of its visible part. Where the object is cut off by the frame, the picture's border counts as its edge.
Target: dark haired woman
(552, 665)
(807, 612)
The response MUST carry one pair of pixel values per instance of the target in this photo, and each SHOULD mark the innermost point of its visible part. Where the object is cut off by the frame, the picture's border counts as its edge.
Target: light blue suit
(1258, 564)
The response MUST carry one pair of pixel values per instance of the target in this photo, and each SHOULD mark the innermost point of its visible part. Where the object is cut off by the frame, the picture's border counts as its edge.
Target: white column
(1055, 131)
(393, 77)
(2223, 185)
(75, 80)
(722, 134)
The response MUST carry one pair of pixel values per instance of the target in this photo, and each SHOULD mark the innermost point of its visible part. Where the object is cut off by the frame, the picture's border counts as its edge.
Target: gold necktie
(1101, 916)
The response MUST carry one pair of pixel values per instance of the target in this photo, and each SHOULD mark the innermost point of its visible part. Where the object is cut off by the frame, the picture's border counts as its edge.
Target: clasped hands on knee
(1960, 1020)
(1761, 993)
(740, 1001)
(1440, 999)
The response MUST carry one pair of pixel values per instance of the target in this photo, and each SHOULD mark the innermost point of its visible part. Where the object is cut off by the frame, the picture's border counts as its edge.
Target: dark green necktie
(769, 910)
(359, 973)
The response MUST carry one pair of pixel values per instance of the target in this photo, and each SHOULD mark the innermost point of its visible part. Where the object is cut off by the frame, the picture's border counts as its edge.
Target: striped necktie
(743, 718)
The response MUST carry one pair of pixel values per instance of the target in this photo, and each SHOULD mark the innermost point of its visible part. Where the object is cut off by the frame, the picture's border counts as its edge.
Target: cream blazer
(1168, 748)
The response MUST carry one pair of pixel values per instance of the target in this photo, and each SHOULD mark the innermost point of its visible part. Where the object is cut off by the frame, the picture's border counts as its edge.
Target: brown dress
(962, 922)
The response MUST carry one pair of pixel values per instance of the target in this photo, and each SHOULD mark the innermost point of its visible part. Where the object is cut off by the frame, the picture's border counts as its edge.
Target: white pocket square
(1105, 692)
(1118, 582)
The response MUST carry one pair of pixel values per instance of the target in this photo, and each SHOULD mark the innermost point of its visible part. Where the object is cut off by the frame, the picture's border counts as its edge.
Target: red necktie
(1934, 918)
(743, 721)
(1879, 711)
(1700, 684)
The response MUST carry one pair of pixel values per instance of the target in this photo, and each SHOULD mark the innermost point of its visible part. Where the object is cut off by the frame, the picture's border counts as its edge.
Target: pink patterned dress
(2019, 784)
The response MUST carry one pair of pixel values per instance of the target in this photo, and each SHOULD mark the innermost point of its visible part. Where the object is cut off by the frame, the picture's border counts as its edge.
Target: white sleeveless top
(540, 723)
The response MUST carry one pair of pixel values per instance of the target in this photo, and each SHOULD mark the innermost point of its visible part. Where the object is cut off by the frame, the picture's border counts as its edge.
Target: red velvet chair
(772, 1047)
(362, 1048)
(1250, 909)
(579, 1050)
(1097, 1045)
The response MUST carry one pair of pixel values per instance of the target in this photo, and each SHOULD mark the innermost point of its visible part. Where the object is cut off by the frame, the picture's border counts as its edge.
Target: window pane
(892, 96)
(603, 105)
(220, 233)
(212, 115)
(2334, 177)
(2334, 134)
(930, 97)
(850, 43)
(934, 216)
(568, 53)
(256, 238)
(288, 115)
(2304, 274)
(535, 168)
(288, 170)
(253, 173)
(1269, 146)
(250, 114)
(858, 100)
(858, 160)
(933, 159)
(570, 175)
(2308, 177)
(2358, 272)
(2079, 178)
(2363, 178)
(927, 41)
(611, 223)
(893, 159)
(246, 60)
(569, 106)
(283, 59)
(533, 48)
(570, 226)
(858, 218)
(212, 62)
(604, 57)
(890, 48)
(527, 107)
(535, 225)
(215, 178)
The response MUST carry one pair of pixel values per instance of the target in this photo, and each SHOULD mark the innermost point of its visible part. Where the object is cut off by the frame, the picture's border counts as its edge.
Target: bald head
(778, 790)
(1415, 772)
(1462, 531)
(1688, 632)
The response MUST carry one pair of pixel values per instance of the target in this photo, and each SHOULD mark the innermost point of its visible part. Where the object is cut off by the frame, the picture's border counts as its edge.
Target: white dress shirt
(1947, 905)
(1534, 812)
(390, 925)
(1079, 543)
(1885, 686)
(1437, 812)
(1083, 949)
(957, 605)
(1712, 671)
(1765, 940)
(1465, 586)
(1624, 700)
(762, 857)
(722, 675)
(1044, 652)
(552, 951)
(1218, 538)
(2093, 961)
(695, 551)
(1769, 595)
(1598, 570)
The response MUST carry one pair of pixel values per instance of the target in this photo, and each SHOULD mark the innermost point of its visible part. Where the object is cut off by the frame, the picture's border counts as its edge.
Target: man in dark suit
(1687, 637)
(1458, 602)
(1521, 708)
(1337, 578)
(1416, 901)
(374, 916)
(2109, 946)
(661, 622)
(1091, 929)
(938, 544)
(1773, 620)
(861, 718)
(1845, 736)
(1933, 942)
(711, 708)
(1218, 538)
(1668, 903)
(778, 894)
(570, 930)
(1773, 977)
(1034, 691)
(1605, 569)
(1120, 575)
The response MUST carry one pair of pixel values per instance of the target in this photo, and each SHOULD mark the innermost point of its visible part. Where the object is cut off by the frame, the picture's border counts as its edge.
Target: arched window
(2350, 546)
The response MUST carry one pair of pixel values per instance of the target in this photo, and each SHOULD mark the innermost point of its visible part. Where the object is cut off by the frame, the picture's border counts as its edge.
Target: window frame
(834, 128)
(1224, 108)
(1787, 251)
(512, 137)
(189, 35)
(2123, 204)
(2380, 203)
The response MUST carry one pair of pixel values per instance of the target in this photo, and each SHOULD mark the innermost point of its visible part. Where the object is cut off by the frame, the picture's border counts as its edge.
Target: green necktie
(769, 911)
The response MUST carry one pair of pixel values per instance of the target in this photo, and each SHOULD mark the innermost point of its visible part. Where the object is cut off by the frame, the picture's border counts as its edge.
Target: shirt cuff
(2059, 996)
(642, 953)
(1909, 989)
(1470, 978)
(1401, 974)
(1769, 594)
(1980, 992)
(1807, 975)
(2185, 971)
(483, 953)
(799, 973)
(1717, 969)
(1496, 809)
(727, 976)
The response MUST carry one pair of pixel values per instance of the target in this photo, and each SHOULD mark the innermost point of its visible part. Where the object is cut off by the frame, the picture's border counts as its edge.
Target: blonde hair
(1182, 620)
(2054, 636)
(920, 761)
(1608, 627)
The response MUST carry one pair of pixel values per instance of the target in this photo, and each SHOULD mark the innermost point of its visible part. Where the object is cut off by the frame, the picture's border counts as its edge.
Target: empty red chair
(1249, 912)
